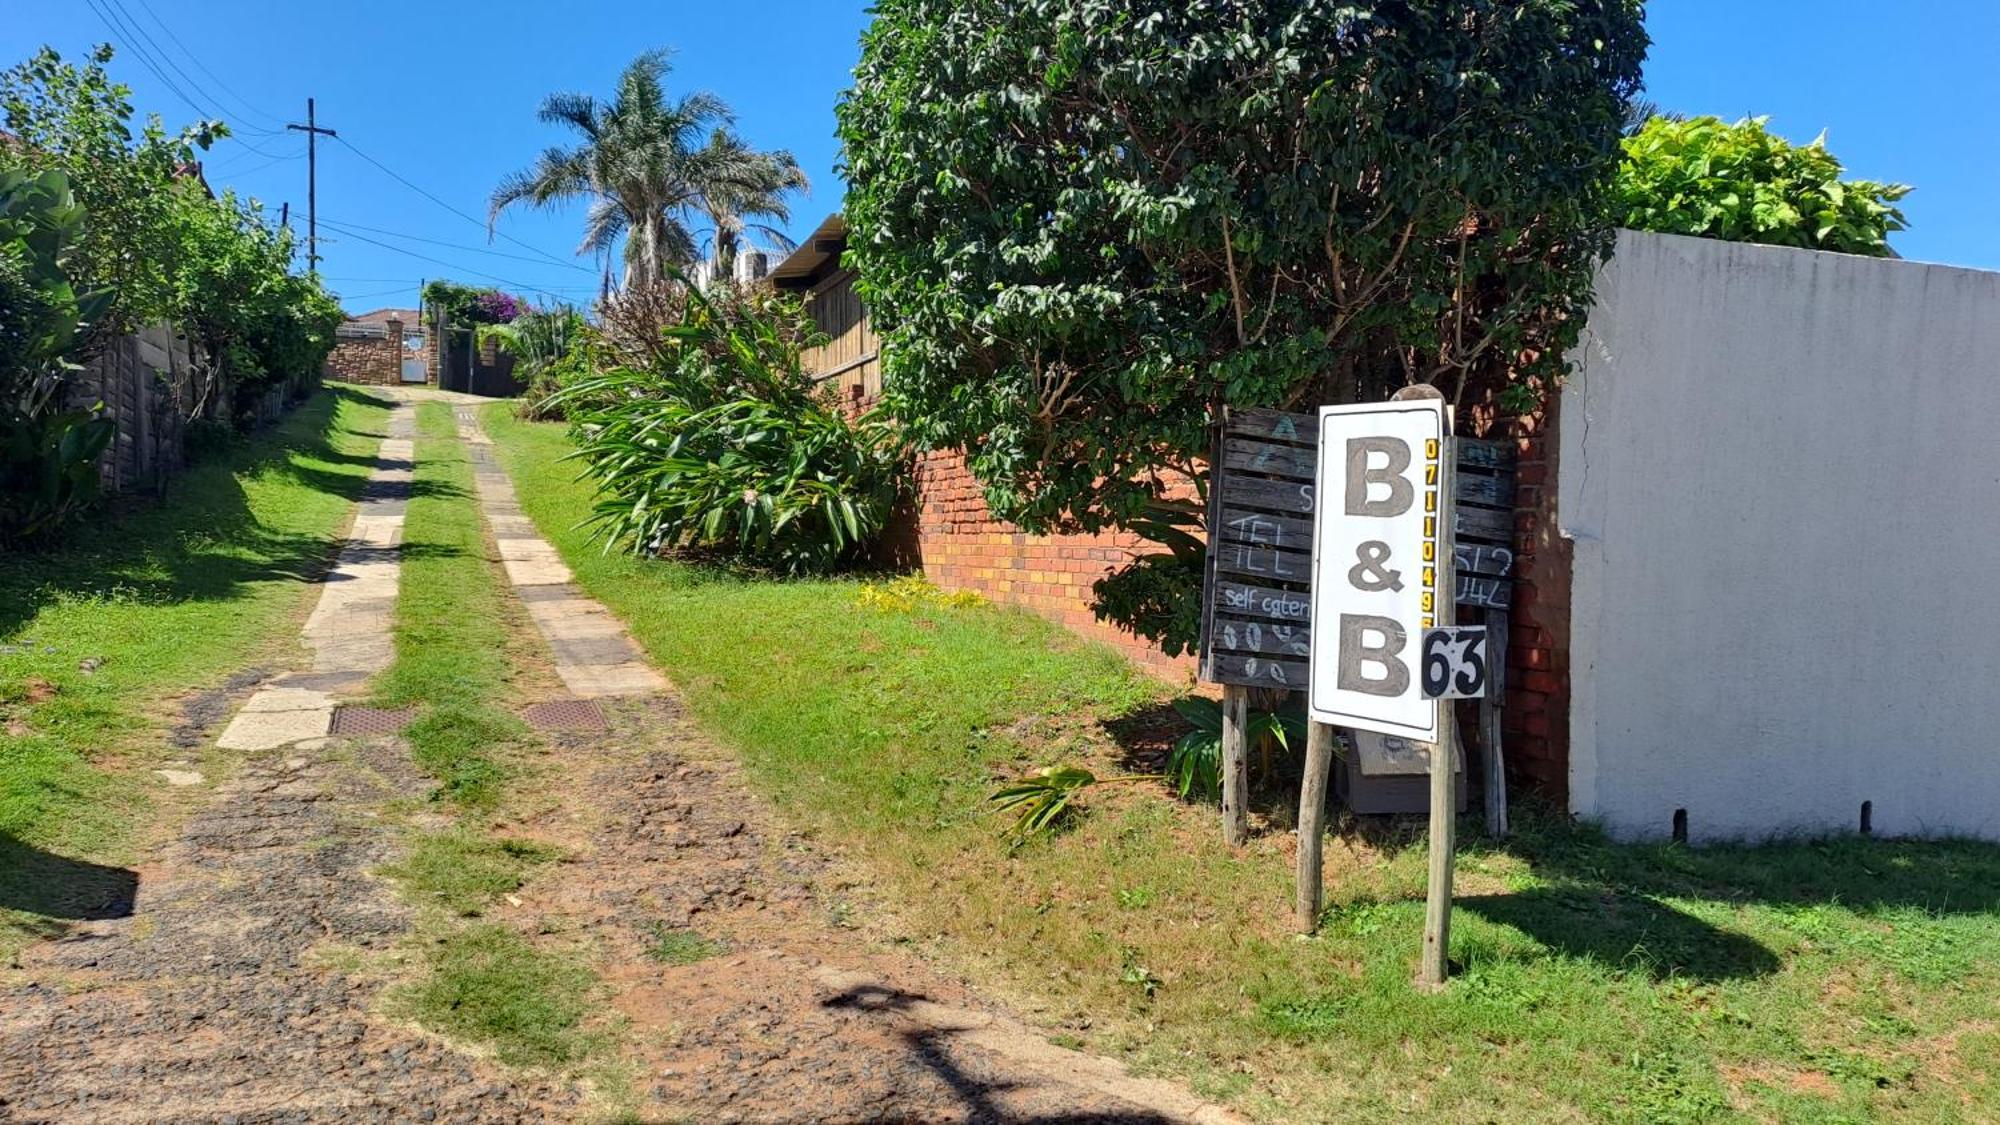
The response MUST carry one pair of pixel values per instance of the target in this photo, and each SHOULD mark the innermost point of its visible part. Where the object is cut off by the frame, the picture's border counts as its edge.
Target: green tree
(744, 191)
(652, 168)
(1082, 225)
(159, 241)
(48, 453)
(76, 120)
(1743, 183)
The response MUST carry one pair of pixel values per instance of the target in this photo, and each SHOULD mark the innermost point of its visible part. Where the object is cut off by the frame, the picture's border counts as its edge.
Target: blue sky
(444, 92)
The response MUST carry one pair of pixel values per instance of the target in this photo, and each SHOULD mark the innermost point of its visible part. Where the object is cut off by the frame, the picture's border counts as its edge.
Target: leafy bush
(1082, 224)
(1194, 766)
(48, 453)
(542, 342)
(726, 445)
(466, 305)
(1743, 183)
(157, 241)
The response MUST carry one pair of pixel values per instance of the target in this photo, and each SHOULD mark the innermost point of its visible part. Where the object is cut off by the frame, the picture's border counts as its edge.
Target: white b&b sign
(1375, 564)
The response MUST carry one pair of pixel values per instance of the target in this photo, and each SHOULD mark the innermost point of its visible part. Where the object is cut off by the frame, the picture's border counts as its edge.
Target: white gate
(415, 369)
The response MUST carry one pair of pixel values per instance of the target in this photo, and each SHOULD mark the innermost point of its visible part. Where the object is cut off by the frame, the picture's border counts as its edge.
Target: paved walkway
(593, 654)
(349, 630)
(249, 983)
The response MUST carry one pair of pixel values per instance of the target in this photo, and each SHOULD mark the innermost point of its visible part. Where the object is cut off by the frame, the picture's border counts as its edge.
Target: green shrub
(158, 241)
(48, 452)
(1743, 183)
(1081, 225)
(724, 444)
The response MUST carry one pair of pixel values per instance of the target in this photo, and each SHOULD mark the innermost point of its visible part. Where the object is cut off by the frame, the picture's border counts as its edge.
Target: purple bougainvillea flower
(501, 308)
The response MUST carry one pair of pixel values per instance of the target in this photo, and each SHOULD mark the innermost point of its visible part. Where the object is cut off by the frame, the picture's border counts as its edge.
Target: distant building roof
(816, 259)
(384, 316)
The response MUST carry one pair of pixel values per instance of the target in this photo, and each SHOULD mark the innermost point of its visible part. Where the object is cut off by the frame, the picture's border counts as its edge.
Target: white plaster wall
(1780, 473)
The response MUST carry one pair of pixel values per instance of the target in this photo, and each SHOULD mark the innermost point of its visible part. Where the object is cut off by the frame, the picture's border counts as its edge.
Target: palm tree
(739, 186)
(648, 177)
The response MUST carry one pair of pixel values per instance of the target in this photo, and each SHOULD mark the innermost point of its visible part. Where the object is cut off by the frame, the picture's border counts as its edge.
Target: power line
(162, 55)
(235, 159)
(453, 245)
(238, 173)
(132, 41)
(196, 59)
(372, 295)
(441, 203)
(550, 290)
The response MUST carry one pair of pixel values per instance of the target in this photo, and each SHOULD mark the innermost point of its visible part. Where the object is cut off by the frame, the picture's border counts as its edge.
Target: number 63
(1455, 663)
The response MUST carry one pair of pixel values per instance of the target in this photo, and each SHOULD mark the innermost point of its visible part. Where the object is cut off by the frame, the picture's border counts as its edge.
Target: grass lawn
(461, 650)
(452, 635)
(143, 602)
(1852, 980)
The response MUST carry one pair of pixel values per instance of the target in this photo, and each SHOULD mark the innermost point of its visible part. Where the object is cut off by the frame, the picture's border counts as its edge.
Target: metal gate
(415, 368)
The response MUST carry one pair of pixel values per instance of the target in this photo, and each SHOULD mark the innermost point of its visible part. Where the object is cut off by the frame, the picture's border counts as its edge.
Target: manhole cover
(370, 720)
(565, 714)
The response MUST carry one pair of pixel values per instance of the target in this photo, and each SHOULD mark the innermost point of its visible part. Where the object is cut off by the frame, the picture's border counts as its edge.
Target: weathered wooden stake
(1312, 822)
(1489, 723)
(1235, 764)
(1436, 967)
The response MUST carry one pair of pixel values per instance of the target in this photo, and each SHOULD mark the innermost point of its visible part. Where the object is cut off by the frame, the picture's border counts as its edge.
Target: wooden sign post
(1435, 967)
(1257, 603)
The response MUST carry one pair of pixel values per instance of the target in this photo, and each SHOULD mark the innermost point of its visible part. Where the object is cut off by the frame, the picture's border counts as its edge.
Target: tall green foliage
(48, 452)
(158, 241)
(75, 119)
(548, 345)
(725, 444)
(1082, 225)
(1743, 183)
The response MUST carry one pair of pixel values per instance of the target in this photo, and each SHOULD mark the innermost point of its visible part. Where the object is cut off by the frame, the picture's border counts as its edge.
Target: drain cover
(370, 720)
(565, 714)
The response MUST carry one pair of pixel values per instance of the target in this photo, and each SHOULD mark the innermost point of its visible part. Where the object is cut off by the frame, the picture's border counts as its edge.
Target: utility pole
(312, 131)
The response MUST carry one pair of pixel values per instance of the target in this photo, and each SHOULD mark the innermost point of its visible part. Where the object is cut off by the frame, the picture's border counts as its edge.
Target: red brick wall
(1536, 716)
(964, 548)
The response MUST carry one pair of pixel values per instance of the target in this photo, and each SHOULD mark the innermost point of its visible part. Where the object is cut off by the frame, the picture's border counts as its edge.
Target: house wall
(850, 360)
(1776, 478)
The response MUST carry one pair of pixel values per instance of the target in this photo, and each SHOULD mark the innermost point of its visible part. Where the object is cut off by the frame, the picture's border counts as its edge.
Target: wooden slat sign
(1257, 596)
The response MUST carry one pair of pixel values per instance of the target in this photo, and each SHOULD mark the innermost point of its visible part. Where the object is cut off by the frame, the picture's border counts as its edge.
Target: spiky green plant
(1194, 766)
(724, 444)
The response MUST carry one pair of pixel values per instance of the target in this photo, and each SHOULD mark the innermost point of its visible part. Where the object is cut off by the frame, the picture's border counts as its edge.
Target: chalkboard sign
(1257, 593)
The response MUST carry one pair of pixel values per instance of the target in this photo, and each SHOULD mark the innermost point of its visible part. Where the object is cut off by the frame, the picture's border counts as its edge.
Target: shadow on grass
(977, 1094)
(203, 542)
(1627, 931)
(55, 886)
(1615, 903)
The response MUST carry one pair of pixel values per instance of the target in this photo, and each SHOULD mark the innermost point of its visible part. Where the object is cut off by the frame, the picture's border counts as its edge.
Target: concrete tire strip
(594, 656)
(349, 630)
